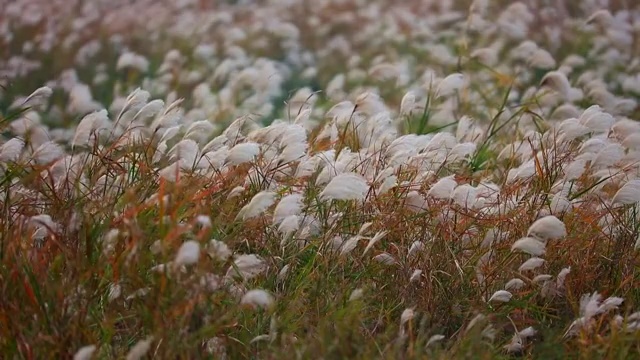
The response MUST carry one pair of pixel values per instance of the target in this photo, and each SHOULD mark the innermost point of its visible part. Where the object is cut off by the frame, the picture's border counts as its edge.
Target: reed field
(319, 179)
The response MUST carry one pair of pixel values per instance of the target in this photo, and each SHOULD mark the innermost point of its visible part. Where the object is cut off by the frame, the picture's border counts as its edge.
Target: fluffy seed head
(415, 275)
(407, 315)
(596, 119)
(243, 153)
(547, 228)
(246, 266)
(47, 152)
(258, 204)
(11, 150)
(288, 205)
(434, 339)
(218, 250)
(257, 299)
(500, 296)
(531, 264)
(628, 194)
(514, 284)
(39, 96)
(385, 258)
(84, 353)
(443, 189)
(356, 294)
(89, 127)
(407, 103)
(377, 237)
(558, 82)
(450, 84)
(530, 246)
(140, 349)
(347, 186)
(347, 246)
(188, 254)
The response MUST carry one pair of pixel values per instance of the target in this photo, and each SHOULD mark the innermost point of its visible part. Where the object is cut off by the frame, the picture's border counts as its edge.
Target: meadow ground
(328, 179)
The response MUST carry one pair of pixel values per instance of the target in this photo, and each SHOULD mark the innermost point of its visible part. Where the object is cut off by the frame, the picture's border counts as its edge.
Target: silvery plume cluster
(496, 145)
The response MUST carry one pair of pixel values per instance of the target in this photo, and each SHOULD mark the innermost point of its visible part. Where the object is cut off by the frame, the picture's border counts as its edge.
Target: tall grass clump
(336, 179)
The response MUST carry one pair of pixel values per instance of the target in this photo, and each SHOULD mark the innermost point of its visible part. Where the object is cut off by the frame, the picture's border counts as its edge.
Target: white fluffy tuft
(347, 186)
(547, 228)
